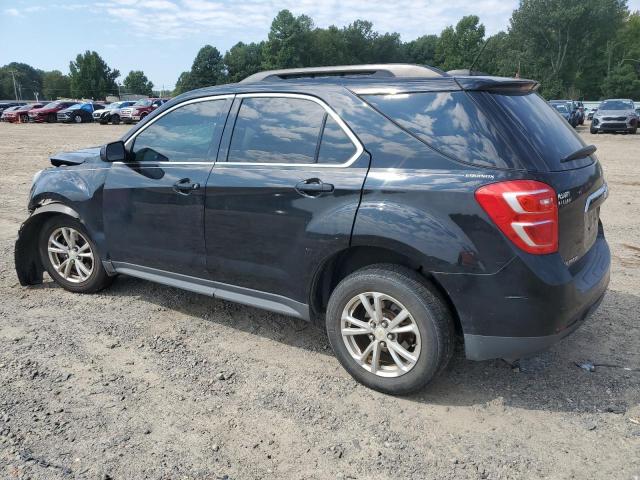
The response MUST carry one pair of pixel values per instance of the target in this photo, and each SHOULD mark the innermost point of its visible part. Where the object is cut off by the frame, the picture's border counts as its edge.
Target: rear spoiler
(497, 84)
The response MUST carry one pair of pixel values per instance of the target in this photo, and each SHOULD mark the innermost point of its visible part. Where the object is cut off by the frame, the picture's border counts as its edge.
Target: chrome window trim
(354, 140)
(130, 140)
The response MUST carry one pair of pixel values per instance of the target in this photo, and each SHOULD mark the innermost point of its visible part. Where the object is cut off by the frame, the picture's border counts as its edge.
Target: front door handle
(314, 187)
(185, 186)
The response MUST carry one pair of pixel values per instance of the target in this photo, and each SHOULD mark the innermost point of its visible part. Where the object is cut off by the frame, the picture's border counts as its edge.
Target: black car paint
(250, 237)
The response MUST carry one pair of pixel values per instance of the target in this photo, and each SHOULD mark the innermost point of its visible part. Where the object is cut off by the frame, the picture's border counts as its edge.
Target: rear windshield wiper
(580, 153)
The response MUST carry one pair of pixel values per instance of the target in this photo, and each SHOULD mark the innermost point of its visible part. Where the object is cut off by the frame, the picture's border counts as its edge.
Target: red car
(140, 109)
(21, 113)
(49, 112)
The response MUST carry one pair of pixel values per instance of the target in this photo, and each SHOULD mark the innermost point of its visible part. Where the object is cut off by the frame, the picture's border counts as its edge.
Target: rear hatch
(502, 123)
(563, 161)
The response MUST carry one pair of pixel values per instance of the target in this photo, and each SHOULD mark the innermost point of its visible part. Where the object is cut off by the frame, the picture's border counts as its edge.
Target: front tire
(77, 118)
(115, 119)
(389, 330)
(70, 256)
(51, 118)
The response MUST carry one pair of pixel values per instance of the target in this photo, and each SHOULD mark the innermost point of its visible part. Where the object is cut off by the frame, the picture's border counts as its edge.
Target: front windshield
(51, 105)
(616, 105)
(142, 103)
(561, 108)
(75, 107)
(113, 105)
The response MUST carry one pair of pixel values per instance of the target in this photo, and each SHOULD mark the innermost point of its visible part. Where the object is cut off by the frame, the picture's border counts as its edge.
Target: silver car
(615, 115)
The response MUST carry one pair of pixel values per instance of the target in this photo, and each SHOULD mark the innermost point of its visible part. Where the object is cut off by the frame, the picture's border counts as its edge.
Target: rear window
(451, 123)
(548, 133)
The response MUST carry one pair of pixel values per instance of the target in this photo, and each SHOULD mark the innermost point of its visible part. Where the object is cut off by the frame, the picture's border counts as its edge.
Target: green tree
(563, 43)
(623, 61)
(28, 81)
(288, 43)
(459, 46)
(422, 50)
(55, 85)
(243, 60)
(91, 77)
(137, 82)
(207, 69)
(183, 84)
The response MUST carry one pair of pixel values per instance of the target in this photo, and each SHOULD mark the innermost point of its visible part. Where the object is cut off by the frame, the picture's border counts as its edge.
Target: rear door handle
(185, 186)
(314, 187)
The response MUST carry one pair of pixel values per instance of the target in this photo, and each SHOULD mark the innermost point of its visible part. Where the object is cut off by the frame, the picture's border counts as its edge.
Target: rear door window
(451, 123)
(335, 146)
(289, 131)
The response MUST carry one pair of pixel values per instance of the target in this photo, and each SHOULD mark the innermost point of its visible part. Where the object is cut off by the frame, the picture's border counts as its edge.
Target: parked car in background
(79, 113)
(615, 115)
(5, 105)
(140, 109)
(581, 114)
(49, 113)
(563, 110)
(104, 115)
(8, 112)
(21, 114)
(574, 116)
(321, 194)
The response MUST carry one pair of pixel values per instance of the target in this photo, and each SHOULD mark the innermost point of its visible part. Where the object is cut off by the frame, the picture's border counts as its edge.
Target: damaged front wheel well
(28, 263)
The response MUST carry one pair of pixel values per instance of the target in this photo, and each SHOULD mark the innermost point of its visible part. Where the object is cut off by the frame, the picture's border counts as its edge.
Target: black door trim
(232, 293)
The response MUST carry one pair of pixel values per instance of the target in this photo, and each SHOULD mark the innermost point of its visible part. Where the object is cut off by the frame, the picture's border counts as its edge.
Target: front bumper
(614, 125)
(530, 304)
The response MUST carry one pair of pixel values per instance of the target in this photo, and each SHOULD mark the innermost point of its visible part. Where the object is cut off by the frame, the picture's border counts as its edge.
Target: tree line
(585, 49)
(89, 77)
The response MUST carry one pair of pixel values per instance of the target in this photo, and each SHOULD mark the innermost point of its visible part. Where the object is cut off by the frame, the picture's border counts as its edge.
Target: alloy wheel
(380, 334)
(70, 254)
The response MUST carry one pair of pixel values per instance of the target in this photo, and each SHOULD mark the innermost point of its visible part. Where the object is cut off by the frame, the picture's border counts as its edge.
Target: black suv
(396, 205)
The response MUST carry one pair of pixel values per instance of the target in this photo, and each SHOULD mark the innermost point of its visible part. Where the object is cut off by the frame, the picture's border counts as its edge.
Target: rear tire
(115, 119)
(425, 335)
(77, 118)
(51, 118)
(63, 243)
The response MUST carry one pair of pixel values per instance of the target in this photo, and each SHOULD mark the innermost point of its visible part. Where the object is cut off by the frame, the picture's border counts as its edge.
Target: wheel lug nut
(371, 337)
(384, 324)
(390, 336)
(383, 344)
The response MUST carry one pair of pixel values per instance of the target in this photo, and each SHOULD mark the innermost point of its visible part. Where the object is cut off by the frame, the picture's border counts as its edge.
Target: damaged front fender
(29, 266)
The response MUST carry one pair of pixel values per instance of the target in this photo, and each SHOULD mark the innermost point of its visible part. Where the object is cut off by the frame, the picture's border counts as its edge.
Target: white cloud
(252, 18)
(12, 12)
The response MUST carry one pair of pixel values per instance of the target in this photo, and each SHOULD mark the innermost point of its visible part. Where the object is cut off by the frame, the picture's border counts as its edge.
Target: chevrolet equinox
(398, 206)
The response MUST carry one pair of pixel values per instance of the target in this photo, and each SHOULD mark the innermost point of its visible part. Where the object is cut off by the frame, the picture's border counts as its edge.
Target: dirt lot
(145, 381)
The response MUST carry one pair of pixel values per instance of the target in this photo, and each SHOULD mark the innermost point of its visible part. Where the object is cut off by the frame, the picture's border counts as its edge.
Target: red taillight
(526, 211)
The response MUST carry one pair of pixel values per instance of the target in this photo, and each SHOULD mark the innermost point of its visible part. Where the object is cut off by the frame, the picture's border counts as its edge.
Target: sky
(162, 37)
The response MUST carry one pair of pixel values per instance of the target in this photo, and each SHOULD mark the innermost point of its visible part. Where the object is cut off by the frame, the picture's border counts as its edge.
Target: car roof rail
(373, 70)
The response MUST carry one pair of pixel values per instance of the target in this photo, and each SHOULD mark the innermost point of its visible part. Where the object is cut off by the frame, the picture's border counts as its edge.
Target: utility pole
(15, 91)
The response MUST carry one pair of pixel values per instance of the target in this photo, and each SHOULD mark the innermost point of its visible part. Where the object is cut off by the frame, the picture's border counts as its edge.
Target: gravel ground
(146, 381)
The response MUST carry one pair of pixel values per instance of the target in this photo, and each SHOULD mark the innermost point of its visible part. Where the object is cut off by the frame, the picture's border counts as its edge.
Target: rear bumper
(485, 347)
(530, 304)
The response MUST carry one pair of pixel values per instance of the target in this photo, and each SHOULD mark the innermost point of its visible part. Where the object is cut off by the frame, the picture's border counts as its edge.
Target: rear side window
(548, 133)
(287, 130)
(451, 123)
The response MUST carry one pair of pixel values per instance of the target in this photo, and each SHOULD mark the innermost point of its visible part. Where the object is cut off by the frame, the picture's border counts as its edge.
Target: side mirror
(113, 152)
